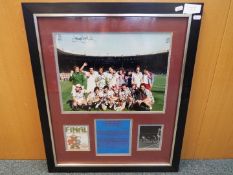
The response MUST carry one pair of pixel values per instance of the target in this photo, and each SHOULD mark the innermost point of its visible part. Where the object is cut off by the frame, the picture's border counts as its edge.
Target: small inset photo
(76, 138)
(149, 137)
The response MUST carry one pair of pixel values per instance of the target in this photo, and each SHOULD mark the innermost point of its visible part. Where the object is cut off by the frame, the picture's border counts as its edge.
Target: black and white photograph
(150, 137)
(112, 72)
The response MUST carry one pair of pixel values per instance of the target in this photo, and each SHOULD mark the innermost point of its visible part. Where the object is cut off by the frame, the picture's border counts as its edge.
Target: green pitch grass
(158, 91)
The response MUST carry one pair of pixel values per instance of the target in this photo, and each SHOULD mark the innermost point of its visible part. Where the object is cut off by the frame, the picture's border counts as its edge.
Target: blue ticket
(113, 136)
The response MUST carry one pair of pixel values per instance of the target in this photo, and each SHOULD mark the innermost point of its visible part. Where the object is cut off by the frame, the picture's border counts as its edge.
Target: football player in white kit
(78, 97)
(107, 98)
(125, 96)
(149, 99)
(147, 79)
(121, 77)
(94, 99)
(137, 77)
(111, 77)
(101, 78)
(91, 79)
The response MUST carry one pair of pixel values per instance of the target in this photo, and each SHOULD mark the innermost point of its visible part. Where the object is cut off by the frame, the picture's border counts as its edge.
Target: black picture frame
(29, 9)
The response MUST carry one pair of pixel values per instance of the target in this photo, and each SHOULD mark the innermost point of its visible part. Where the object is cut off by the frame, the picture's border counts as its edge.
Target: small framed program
(112, 82)
(76, 138)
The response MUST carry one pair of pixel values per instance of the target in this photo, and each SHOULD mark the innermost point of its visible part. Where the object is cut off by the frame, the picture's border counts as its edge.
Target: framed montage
(112, 82)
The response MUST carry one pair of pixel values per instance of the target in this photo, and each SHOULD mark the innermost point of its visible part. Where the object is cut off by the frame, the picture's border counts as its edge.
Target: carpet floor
(187, 167)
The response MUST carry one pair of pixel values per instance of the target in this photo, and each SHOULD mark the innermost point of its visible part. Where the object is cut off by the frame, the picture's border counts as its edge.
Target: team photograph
(124, 76)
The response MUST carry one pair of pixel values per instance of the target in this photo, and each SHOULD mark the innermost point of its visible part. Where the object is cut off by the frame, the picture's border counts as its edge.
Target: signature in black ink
(82, 38)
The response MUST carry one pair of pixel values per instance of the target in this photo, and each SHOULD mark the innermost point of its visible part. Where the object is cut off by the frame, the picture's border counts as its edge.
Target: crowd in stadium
(111, 90)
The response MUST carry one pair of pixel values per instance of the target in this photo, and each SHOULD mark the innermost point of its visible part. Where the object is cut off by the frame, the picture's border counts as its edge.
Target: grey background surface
(187, 167)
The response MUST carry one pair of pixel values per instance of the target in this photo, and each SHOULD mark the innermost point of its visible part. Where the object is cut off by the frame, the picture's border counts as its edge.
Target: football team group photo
(128, 75)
